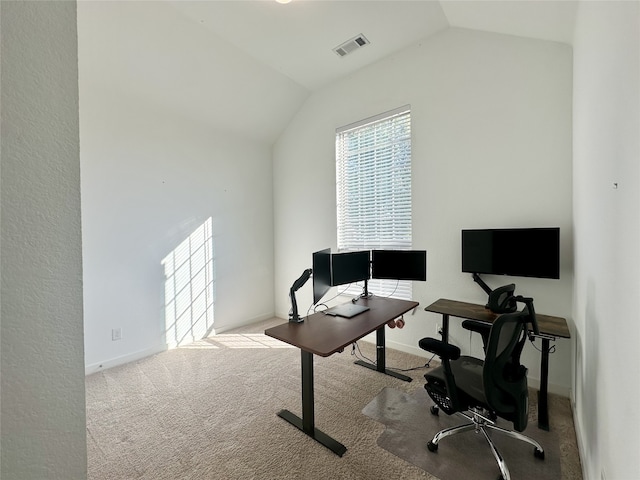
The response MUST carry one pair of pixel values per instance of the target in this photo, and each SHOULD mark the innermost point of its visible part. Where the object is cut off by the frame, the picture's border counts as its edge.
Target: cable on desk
(355, 346)
(359, 355)
(551, 350)
(315, 306)
(394, 290)
(427, 365)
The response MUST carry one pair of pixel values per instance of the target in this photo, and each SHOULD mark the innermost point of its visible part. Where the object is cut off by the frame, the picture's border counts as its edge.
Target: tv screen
(321, 267)
(518, 252)
(399, 264)
(349, 267)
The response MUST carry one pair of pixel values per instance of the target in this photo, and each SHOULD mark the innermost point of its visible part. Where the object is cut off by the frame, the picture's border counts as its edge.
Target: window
(373, 174)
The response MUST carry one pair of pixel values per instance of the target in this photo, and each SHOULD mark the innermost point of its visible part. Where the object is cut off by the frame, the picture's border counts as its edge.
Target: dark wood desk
(324, 335)
(550, 329)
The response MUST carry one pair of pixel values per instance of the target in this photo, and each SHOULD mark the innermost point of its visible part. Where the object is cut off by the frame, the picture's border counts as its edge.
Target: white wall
(607, 237)
(42, 370)
(149, 180)
(491, 142)
(157, 162)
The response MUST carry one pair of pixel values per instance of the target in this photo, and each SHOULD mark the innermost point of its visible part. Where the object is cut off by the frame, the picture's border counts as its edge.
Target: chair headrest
(502, 300)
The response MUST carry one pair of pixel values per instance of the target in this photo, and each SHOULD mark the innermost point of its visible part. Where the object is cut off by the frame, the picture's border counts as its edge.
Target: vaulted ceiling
(246, 66)
(297, 39)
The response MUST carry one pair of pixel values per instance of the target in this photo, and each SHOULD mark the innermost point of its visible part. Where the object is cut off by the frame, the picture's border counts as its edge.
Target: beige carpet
(208, 411)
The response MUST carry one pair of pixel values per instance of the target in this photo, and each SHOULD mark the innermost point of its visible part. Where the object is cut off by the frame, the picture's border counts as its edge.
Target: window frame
(385, 145)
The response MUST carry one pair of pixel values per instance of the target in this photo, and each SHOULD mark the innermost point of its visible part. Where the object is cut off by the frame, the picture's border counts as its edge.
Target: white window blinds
(373, 174)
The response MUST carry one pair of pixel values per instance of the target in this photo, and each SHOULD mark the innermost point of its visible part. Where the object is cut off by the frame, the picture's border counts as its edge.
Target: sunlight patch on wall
(190, 288)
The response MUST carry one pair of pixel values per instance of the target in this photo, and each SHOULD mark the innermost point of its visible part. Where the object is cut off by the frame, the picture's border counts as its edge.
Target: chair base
(481, 423)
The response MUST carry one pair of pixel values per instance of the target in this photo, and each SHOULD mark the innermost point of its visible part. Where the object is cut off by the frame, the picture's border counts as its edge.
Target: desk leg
(307, 422)
(381, 365)
(543, 406)
(445, 327)
(308, 403)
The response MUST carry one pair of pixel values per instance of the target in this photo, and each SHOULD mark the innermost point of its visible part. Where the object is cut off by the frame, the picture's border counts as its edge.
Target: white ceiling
(246, 66)
(297, 39)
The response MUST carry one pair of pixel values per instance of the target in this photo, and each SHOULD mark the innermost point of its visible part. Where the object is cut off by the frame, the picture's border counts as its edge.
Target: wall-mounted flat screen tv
(518, 252)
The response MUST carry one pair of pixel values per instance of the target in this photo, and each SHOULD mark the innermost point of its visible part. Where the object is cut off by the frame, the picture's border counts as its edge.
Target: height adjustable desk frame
(325, 335)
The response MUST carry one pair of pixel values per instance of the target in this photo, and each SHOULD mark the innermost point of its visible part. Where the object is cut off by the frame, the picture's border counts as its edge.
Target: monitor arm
(501, 299)
(365, 289)
(479, 281)
(293, 314)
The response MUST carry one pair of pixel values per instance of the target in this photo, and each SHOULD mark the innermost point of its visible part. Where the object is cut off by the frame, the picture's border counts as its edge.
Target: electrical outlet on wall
(116, 334)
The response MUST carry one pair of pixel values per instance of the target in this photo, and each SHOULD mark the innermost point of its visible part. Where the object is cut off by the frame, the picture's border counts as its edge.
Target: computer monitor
(399, 264)
(350, 267)
(518, 252)
(321, 262)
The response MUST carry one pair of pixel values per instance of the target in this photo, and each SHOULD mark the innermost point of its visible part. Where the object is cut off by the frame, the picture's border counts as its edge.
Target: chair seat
(468, 376)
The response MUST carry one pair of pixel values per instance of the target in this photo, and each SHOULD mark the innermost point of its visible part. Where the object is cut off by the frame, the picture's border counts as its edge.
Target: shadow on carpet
(410, 426)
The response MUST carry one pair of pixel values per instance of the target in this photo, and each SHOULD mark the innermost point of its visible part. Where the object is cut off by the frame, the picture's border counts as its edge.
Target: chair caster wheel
(538, 453)
(433, 447)
(434, 410)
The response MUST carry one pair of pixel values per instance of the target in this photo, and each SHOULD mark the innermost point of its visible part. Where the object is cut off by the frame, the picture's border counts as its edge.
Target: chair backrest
(504, 378)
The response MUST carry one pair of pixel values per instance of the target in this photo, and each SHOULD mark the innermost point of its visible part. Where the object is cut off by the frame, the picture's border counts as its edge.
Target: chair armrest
(482, 328)
(440, 348)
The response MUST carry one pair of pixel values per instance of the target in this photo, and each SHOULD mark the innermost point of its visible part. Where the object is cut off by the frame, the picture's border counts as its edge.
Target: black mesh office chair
(476, 389)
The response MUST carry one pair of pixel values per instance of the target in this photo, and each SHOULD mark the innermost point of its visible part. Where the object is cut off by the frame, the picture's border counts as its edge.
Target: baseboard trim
(132, 357)
(251, 321)
(582, 452)
(117, 361)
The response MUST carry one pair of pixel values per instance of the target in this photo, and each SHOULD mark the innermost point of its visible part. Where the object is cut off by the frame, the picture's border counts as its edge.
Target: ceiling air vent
(351, 45)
